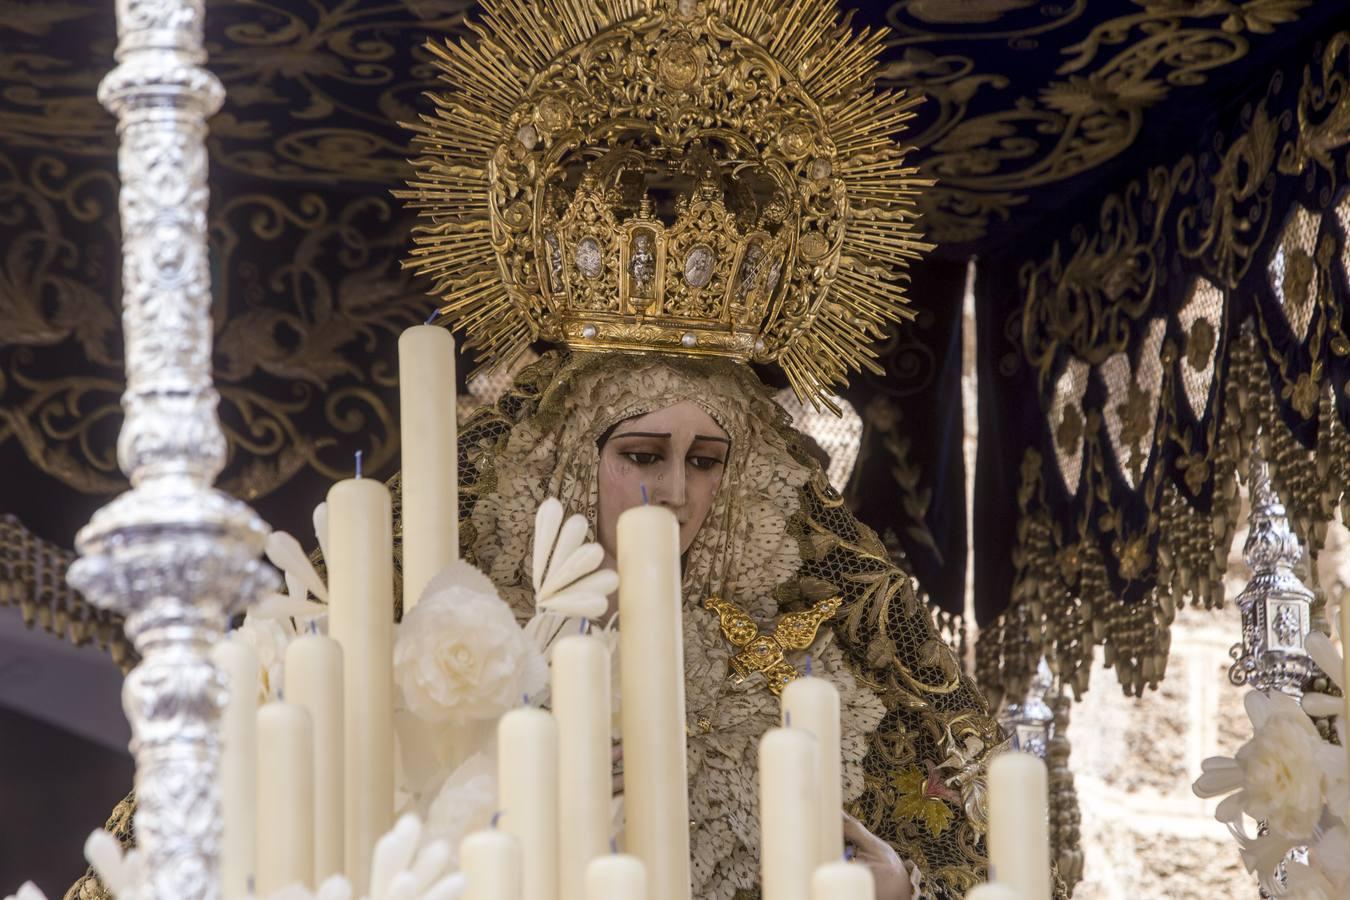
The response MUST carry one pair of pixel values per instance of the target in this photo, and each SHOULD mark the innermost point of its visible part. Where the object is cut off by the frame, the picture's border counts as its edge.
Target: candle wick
(250, 884)
(281, 696)
(524, 699)
(645, 499)
(313, 626)
(848, 853)
(585, 626)
(787, 718)
(808, 666)
(496, 817)
(358, 463)
(435, 314)
(613, 845)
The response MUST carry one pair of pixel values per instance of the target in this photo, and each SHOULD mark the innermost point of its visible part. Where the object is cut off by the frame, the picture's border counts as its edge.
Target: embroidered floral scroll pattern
(1207, 303)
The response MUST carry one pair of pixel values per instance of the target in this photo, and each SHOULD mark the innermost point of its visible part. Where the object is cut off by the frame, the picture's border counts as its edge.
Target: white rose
(465, 803)
(1282, 771)
(460, 652)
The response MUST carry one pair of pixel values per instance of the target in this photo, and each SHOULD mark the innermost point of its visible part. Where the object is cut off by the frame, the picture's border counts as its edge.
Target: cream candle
(812, 704)
(789, 811)
(841, 880)
(616, 876)
(651, 672)
(1019, 838)
(238, 664)
(1345, 670)
(361, 620)
(314, 683)
(527, 795)
(285, 825)
(581, 706)
(491, 862)
(427, 429)
(993, 891)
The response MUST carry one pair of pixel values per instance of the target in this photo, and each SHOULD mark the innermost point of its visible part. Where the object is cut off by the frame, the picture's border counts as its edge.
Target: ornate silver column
(1029, 721)
(172, 554)
(1276, 607)
(1276, 610)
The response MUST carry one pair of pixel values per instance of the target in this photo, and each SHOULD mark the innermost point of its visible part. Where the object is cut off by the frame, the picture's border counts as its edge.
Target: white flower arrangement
(277, 619)
(403, 867)
(1293, 781)
(461, 660)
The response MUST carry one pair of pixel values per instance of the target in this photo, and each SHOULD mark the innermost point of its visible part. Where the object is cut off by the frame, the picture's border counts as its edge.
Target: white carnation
(1281, 775)
(460, 652)
(1281, 764)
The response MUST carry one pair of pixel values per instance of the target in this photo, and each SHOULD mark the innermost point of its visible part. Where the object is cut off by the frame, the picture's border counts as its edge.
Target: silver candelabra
(172, 554)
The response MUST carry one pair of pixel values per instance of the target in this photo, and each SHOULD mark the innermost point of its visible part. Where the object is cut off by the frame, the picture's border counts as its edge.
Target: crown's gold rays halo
(489, 292)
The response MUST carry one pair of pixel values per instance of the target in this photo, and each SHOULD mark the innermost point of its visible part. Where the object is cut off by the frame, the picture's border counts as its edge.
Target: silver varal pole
(1276, 612)
(172, 554)
(1276, 607)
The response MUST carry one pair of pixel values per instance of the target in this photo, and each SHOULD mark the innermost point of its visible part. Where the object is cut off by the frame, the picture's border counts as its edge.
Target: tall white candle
(1345, 670)
(361, 620)
(527, 795)
(426, 392)
(491, 863)
(1019, 837)
(285, 829)
(616, 876)
(993, 891)
(841, 880)
(651, 672)
(789, 809)
(314, 683)
(581, 706)
(812, 704)
(238, 664)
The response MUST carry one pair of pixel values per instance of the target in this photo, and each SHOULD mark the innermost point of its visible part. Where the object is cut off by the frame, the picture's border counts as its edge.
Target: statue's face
(677, 453)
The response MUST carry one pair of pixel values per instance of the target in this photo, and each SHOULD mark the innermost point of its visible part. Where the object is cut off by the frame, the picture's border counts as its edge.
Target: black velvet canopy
(1105, 165)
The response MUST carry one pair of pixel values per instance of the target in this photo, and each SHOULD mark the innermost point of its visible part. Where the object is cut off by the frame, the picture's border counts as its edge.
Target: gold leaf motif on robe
(920, 800)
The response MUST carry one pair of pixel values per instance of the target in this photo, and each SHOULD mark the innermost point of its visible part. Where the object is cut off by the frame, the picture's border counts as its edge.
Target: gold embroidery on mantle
(766, 653)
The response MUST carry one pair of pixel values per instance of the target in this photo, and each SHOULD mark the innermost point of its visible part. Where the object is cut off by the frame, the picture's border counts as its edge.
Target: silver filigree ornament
(172, 554)
(752, 270)
(698, 266)
(555, 263)
(588, 257)
(643, 265)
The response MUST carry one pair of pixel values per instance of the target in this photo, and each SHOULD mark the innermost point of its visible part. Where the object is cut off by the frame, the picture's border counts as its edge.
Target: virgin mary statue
(669, 191)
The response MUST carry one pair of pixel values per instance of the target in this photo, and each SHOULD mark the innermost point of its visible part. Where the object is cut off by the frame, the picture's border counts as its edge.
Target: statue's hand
(889, 872)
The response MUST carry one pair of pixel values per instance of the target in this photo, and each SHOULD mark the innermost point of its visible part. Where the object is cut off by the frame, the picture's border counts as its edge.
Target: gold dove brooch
(766, 653)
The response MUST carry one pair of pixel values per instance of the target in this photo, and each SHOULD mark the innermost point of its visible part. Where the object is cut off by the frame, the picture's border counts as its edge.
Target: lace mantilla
(777, 540)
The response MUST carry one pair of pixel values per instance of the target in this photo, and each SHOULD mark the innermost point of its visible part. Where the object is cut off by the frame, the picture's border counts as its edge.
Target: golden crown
(704, 177)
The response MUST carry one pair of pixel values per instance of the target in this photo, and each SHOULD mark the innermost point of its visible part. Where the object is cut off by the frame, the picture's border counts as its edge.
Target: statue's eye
(705, 462)
(640, 458)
